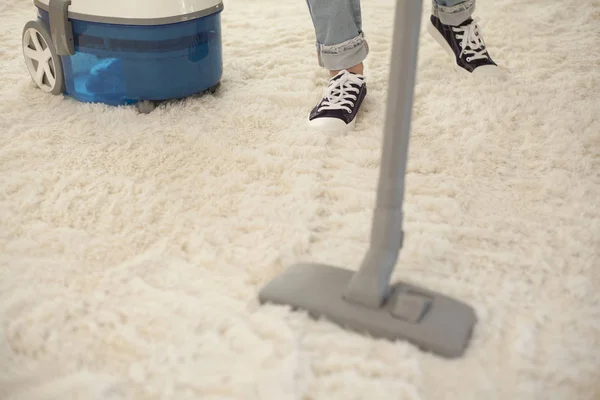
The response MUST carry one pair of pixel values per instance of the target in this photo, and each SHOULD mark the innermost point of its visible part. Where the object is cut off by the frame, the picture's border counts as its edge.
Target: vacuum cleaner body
(121, 52)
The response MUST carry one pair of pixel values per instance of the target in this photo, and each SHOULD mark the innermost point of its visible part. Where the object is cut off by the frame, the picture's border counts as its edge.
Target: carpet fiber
(132, 247)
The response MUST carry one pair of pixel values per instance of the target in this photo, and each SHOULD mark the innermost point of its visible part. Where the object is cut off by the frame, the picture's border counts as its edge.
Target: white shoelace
(340, 94)
(471, 41)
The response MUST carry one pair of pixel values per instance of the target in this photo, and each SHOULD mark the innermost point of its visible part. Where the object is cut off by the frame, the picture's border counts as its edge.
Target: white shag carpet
(132, 247)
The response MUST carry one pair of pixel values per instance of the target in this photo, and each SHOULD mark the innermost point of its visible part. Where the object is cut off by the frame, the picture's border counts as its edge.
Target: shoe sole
(349, 127)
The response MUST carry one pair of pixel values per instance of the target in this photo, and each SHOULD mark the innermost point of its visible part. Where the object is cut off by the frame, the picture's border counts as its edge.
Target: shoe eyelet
(468, 59)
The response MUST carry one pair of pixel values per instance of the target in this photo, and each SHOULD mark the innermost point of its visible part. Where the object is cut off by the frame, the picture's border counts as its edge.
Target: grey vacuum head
(429, 320)
(364, 301)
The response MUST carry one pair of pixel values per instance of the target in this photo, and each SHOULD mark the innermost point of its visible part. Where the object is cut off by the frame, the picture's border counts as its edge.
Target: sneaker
(342, 99)
(465, 45)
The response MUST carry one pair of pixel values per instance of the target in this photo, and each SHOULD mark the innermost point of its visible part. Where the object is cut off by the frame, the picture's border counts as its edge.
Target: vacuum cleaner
(122, 52)
(364, 301)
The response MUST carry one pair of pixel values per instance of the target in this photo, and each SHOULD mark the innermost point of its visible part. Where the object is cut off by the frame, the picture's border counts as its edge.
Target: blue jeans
(341, 42)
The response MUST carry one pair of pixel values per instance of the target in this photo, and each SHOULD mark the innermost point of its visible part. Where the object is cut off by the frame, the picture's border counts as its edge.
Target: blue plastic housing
(123, 64)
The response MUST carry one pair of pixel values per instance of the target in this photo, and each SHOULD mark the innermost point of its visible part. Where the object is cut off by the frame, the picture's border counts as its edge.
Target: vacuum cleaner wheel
(214, 89)
(43, 63)
(146, 106)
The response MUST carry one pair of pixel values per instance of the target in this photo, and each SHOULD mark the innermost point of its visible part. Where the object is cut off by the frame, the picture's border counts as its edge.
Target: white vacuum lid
(137, 11)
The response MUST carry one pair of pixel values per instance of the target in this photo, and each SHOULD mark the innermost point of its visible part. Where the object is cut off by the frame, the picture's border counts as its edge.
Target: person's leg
(341, 48)
(340, 40)
(453, 12)
(457, 32)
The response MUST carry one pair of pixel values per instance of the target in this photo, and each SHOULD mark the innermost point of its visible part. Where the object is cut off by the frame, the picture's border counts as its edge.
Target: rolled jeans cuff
(454, 15)
(343, 55)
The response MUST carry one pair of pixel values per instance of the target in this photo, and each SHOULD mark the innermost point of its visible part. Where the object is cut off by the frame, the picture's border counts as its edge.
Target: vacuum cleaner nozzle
(429, 320)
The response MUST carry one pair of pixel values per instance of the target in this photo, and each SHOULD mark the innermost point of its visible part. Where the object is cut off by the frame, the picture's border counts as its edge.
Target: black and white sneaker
(336, 112)
(464, 44)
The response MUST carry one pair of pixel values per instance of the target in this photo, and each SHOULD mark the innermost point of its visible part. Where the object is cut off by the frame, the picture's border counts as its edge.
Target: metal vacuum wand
(370, 285)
